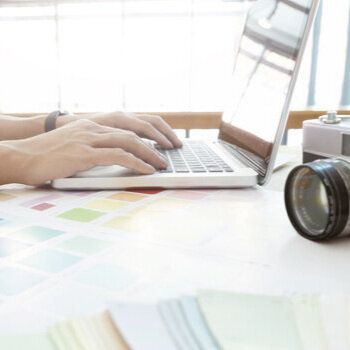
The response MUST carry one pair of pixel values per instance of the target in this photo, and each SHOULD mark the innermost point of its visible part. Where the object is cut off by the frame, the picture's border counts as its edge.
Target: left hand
(152, 127)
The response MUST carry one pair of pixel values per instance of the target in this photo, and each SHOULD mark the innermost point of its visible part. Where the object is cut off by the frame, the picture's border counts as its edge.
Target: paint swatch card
(243, 321)
(26, 342)
(335, 314)
(142, 326)
(175, 322)
(197, 324)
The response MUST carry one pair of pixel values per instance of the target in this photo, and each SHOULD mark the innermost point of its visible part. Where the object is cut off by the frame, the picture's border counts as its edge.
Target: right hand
(79, 146)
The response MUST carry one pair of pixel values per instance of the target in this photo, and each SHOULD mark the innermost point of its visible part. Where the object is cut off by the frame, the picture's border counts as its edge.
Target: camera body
(326, 137)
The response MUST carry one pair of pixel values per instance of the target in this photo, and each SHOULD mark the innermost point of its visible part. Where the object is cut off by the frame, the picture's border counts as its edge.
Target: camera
(317, 193)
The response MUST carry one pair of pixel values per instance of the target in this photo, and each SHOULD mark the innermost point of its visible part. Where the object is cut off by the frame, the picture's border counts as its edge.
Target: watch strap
(50, 121)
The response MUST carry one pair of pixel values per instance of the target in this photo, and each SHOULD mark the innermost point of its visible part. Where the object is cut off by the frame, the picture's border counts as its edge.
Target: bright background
(147, 55)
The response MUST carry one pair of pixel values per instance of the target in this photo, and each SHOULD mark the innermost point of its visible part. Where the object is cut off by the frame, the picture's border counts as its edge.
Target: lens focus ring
(317, 199)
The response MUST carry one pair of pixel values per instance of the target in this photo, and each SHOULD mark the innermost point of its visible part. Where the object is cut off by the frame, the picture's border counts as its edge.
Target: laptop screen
(265, 70)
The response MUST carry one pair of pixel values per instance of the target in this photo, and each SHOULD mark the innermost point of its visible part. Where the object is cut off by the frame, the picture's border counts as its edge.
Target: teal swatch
(14, 281)
(34, 234)
(84, 245)
(51, 261)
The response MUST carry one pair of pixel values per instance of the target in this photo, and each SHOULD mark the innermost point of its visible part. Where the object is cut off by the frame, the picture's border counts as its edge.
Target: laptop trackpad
(105, 171)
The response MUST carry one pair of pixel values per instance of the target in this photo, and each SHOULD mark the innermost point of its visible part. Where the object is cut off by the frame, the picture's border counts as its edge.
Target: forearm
(11, 164)
(13, 128)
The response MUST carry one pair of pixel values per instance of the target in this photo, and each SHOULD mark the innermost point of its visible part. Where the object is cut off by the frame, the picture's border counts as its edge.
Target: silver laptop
(266, 69)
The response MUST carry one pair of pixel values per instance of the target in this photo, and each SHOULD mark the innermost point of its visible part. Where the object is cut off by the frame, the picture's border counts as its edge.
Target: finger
(140, 127)
(110, 156)
(130, 142)
(146, 129)
(160, 124)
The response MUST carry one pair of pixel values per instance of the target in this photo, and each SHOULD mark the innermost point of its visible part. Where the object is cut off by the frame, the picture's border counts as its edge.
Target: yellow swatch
(127, 196)
(124, 223)
(105, 205)
(6, 196)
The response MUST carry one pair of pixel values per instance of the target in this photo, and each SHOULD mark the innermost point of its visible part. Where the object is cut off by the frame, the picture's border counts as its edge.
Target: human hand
(78, 146)
(152, 127)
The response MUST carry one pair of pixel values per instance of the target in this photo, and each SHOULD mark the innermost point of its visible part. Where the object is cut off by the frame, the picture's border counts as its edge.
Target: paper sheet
(141, 326)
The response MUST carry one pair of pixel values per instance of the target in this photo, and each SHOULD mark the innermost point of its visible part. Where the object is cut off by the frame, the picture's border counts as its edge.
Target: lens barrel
(317, 199)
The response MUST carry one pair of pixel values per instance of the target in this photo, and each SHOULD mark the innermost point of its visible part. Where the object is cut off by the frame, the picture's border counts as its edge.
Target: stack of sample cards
(212, 320)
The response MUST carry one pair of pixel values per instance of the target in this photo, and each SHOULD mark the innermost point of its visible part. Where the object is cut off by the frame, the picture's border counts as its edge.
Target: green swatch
(34, 234)
(51, 261)
(81, 215)
(84, 245)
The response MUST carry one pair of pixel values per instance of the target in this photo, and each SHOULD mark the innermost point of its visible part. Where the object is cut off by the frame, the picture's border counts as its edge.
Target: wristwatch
(50, 121)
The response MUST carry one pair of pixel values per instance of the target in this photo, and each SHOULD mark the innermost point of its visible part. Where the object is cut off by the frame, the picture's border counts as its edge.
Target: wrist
(27, 127)
(12, 168)
(65, 119)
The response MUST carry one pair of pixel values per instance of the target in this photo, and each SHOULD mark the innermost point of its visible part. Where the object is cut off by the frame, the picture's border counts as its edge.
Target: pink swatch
(42, 199)
(42, 206)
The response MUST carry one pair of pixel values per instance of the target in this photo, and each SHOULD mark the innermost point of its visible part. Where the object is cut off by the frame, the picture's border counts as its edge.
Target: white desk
(155, 245)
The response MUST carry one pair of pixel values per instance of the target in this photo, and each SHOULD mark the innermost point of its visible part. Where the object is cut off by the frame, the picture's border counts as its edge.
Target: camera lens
(317, 199)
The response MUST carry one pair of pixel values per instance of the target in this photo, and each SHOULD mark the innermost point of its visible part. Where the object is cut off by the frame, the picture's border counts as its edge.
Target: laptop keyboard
(194, 157)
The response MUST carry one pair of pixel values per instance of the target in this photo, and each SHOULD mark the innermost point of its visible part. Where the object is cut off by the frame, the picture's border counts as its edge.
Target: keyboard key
(168, 170)
(199, 170)
(196, 157)
(217, 170)
(182, 171)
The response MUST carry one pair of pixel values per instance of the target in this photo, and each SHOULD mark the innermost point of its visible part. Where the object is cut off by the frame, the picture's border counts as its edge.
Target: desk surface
(64, 254)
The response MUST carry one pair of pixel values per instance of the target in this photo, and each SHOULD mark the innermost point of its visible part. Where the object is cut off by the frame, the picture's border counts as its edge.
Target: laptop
(244, 154)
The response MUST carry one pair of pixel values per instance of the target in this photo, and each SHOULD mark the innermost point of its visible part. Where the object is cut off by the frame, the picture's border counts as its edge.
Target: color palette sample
(109, 276)
(10, 247)
(26, 342)
(42, 199)
(128, 196)
(81, 215)
(105, 204)
(85, 245)
(123, 223)
(35, 234)
(6, 196)
(42, 206)
(14, 281)
(50, 261)
(7, 226)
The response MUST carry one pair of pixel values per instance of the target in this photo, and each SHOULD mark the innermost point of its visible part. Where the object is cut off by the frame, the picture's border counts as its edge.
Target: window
(146, 55)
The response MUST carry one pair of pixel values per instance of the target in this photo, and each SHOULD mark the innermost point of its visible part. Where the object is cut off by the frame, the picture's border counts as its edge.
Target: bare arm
(77, 146)
(30, 156)
(144, 125)
(14, 128)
